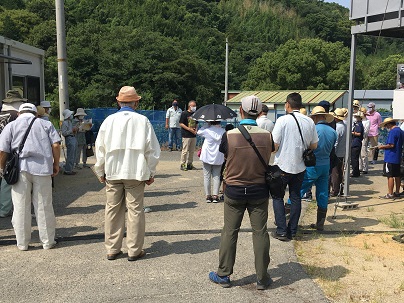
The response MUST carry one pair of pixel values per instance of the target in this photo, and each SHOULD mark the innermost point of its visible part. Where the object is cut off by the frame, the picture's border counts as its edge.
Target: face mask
(175, 104)
(193, 108)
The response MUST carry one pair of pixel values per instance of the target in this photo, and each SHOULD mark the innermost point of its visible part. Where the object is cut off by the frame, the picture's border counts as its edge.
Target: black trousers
(355, 154)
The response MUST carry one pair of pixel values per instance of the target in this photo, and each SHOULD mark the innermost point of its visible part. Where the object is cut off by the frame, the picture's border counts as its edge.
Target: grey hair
(192, 101)
(131, 103)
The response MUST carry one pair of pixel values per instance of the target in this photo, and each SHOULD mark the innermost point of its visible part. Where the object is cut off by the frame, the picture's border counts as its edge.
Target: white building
(22, 68)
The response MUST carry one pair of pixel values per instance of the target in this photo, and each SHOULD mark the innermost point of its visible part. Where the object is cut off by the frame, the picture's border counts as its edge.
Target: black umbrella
(214, 112)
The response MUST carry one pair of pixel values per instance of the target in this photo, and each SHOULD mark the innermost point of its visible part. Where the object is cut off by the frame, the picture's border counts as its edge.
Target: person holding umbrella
(211, 158)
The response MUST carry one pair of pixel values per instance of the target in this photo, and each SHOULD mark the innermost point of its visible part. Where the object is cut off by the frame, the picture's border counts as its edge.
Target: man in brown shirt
(245, 190)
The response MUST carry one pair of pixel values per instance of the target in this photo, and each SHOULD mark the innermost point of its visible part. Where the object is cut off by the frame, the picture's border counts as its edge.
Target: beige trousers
(122, 195)
(373, 141)
(188, 150)
(38, 191)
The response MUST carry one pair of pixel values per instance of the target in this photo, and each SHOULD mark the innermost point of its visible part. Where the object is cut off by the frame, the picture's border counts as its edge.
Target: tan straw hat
(387, 121)
(40, 110)
(345, 110)
(303, 111)
(339, 114)
(319, 110)
(356, 103)
(128, 94)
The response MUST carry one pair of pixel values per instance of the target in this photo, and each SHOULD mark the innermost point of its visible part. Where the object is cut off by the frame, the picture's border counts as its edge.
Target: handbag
(309, 157)
(89, 151)
(12, 169)
(273, 174)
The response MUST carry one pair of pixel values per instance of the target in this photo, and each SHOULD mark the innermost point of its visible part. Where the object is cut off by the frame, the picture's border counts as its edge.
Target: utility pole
(226, 74)
(62, 55)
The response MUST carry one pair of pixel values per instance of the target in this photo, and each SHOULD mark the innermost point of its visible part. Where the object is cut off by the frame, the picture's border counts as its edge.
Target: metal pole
(226, 74)
(61, 52)
(350, 116)
(10, 70)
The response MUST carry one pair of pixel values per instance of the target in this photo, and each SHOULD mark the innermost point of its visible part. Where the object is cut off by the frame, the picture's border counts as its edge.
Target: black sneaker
(190, 166)
(263, 286)
(280, 237)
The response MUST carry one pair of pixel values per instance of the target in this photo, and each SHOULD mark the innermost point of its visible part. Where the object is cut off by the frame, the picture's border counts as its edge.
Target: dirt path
(367, 264)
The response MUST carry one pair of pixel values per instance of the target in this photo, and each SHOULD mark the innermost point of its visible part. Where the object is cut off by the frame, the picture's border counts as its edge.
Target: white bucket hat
(67, 113)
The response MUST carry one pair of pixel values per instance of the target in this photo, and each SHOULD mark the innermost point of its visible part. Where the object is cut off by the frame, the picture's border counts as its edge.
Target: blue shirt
(327, 137)
(395, 137)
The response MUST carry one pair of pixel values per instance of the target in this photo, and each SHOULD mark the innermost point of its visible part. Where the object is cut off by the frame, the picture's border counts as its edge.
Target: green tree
(305, 64)
(383, 74)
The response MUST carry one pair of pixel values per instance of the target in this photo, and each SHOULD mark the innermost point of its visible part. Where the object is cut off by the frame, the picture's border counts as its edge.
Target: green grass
(393, 221)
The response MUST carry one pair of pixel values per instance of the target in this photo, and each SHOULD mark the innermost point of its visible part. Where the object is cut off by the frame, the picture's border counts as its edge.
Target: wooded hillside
(176, 49)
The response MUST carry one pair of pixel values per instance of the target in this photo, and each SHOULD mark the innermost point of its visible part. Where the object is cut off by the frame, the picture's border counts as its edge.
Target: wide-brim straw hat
(319, 110)
(386, 121)
(303, 111)
(80, 112)
(67, 113)
(128, 94)
(339, 114)
(14, 96)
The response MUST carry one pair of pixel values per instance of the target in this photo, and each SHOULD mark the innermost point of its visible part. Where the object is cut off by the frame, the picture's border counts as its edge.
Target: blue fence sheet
(158, 118)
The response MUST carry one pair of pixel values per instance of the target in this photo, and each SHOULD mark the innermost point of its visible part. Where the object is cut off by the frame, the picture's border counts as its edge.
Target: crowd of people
(127, 154)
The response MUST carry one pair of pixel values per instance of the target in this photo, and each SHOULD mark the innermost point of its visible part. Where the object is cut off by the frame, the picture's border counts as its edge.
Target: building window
(29, 87)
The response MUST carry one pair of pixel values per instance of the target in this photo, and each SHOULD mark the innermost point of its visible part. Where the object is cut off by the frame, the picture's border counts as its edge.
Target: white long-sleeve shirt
(126, 147)
(210, 149)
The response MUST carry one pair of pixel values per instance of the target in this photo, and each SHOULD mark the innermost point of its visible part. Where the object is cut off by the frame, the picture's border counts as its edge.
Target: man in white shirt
(39, 160)
(263, 121)
(173, 116)
(289, 157)
(127, 152)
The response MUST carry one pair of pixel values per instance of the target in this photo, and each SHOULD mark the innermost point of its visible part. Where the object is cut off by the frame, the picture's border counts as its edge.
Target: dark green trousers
(233, 216)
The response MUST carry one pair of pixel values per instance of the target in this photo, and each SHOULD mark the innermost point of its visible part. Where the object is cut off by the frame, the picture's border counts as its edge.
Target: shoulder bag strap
(21, 146)
(300, 131)
(247, 136)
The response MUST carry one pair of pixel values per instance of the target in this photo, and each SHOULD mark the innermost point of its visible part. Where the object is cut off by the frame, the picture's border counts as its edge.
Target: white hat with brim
(320, 111)
(11, 106)
(28, 107)
(386, 121)
(45, 104)
(67, 113)
(80, 112)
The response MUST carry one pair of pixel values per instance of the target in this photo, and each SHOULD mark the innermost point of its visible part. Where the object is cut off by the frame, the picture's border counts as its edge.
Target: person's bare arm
(3, 159)
(56, 157)
(313, 146)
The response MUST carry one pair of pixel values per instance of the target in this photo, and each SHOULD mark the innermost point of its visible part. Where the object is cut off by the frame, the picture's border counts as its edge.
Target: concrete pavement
(182, 241)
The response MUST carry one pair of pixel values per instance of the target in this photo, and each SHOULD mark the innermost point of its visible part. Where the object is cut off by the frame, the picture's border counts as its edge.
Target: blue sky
(346, 3)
